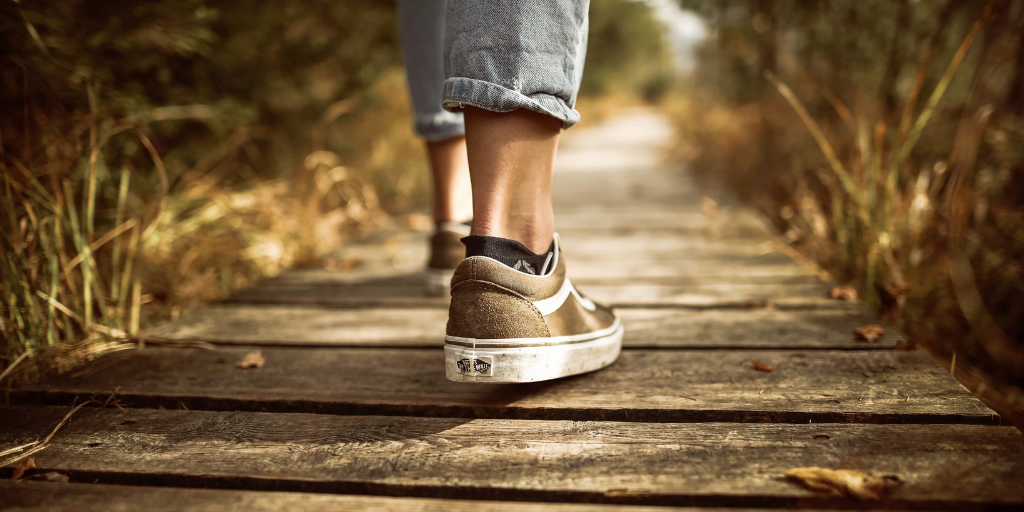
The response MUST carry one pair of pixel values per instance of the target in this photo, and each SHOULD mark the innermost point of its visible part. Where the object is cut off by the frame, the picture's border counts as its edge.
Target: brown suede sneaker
(446, 253)
(509, 326)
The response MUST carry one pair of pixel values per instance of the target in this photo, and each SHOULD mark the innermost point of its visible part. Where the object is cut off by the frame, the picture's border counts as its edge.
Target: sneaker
(446, 252)
(509, 326)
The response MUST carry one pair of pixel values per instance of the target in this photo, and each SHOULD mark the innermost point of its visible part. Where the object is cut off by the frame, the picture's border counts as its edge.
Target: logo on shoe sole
(481, 365)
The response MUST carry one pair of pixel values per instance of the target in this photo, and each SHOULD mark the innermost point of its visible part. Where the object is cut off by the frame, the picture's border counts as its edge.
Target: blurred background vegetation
(156, 155)
(885, 141)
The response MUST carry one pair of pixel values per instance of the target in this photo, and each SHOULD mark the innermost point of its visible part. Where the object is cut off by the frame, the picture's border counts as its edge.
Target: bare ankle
(536, 235)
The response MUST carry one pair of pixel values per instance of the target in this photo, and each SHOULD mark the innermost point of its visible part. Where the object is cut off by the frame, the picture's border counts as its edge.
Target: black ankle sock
(509, 252)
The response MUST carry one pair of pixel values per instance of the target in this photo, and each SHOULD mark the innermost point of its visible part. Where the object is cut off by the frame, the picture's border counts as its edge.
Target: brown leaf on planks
(845, 292)
(25, 465)
(761, 367)
(844, 482)
(869, 333)
(253, 359)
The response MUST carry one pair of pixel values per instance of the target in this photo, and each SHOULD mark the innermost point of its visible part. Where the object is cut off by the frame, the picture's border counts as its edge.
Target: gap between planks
(42, 496)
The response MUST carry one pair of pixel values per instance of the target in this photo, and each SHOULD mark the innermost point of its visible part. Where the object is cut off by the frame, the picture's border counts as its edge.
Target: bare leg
(450, 170)
(511, 160)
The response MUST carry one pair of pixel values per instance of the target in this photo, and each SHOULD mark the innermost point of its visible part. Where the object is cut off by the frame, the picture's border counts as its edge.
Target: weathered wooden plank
(364, 295)
(240, 324)
(749, 328)
(381, 271)
(701, 296)
(717, 295)
(727, 278)
(655, 386)
(772, 268)
(641, 245)
(617, 186)
(704, 464)
(292, 325)
(42, 497)
(635, 216)
(680, 272)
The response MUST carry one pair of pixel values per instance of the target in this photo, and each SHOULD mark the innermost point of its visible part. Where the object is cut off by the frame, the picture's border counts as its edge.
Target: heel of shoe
(493, 363)
(484, 310)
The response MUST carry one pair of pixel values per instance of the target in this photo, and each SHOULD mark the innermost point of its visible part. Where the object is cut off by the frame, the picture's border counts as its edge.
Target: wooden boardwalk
(352, 410)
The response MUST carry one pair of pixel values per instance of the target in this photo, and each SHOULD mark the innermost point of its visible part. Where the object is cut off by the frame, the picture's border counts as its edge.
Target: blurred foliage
(156, 155)
(159, 154)
(626, 52)
(884, 139)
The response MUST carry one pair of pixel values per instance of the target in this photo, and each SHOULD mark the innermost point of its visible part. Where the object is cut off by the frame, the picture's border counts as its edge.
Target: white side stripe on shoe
(552, 303)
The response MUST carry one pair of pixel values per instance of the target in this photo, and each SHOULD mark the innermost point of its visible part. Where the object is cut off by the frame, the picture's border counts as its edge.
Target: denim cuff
(440, 126)
(489, 96)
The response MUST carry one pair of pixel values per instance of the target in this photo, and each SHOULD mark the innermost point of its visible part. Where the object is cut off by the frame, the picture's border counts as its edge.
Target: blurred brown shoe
(446, 253)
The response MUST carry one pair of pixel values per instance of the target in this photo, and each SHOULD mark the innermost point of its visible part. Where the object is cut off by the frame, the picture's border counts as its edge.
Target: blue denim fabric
(421, 23)
(501, 55)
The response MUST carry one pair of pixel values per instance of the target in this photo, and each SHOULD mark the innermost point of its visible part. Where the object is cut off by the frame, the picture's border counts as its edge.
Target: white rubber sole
(439, 282)
(530, 359)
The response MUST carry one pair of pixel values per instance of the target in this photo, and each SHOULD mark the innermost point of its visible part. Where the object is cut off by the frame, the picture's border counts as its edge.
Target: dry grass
(922, 215)
(90, 254)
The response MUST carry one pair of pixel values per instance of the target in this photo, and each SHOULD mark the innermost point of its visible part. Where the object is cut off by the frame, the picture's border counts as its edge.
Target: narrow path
(352, 409)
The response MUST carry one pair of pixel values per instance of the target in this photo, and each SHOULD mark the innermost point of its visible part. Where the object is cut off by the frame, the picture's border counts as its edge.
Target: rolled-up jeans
(498, 55)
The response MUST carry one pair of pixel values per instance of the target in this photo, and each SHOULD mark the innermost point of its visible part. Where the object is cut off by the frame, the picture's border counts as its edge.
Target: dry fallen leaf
(251, 360)
(25, 465)
(870, 332)
(844, 482)
(845, 292)
(761, 367)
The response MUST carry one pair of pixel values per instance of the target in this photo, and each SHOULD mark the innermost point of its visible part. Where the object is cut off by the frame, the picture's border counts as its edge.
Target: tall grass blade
(82, 247)
(50, 252)
(133, 326)
(819, 137)
(127, 272)
(115, 256)
(940, 90)
(922, 71)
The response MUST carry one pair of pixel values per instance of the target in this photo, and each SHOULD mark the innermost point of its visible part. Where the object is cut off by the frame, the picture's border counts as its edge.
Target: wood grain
(45, 497)
(424, 327)
(704, 464)
(643, 385)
